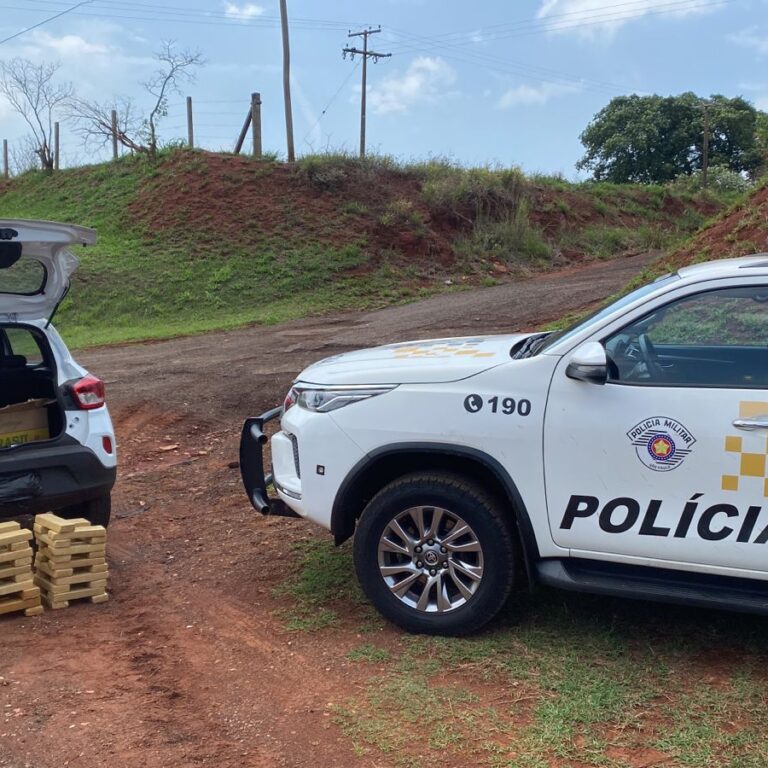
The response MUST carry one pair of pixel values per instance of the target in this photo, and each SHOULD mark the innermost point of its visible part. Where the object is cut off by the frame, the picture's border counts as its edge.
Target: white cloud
(528, 95)
(590, 17)
(66, 46)
(752, 38)
(761, 102)
(426, 79)
(242, 12)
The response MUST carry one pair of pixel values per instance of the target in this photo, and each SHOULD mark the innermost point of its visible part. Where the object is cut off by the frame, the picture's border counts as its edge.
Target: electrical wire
(454, 50)
(525, 71)
(333, 98)
(45, 21)
(559, 22)
(142, 12)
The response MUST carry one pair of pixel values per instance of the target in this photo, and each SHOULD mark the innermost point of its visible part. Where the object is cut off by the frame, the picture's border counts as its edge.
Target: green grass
(323, 580)
(368, 653)
(511, 239)
(557, 680)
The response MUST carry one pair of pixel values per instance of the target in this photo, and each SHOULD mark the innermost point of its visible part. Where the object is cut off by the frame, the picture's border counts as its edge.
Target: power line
(558, 22)
(206, 14)
(526, 71)
(45, 21)
(581, 14)
(456, 52)
(142, 12)
(332, 99)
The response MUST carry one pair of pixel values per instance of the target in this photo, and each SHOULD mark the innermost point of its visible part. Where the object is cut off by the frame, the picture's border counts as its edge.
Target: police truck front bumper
(256, 481)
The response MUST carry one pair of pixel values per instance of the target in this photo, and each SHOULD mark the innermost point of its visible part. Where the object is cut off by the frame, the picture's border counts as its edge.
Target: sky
(510, 82)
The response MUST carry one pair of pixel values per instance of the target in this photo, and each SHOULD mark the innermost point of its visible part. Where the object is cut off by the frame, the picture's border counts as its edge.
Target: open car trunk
(31, 406)
(36, 265)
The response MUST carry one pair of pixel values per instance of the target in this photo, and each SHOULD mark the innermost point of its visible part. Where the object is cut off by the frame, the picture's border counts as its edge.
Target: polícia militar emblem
(661, 443)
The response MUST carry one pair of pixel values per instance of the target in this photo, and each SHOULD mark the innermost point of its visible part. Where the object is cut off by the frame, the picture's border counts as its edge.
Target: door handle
(756, 422)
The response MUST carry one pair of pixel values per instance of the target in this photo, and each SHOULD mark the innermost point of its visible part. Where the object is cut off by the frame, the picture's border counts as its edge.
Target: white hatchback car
(57, 443)
(626, 456)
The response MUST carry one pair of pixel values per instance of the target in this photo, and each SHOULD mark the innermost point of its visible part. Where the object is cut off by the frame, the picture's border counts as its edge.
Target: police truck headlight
(322, 400)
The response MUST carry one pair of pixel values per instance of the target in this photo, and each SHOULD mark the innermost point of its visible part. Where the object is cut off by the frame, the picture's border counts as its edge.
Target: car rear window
(25, 278)
(22, 342)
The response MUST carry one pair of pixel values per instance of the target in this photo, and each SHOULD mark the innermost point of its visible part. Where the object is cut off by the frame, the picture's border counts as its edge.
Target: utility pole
(705, 146)
(366, 54)
(190, 125)
(287, 82)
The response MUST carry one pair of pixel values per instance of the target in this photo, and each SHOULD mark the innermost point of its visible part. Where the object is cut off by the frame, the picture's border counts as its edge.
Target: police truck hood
(429, 361)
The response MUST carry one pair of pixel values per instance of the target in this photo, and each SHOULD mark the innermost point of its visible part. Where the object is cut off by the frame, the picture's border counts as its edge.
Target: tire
(473, 572)
(98, 511)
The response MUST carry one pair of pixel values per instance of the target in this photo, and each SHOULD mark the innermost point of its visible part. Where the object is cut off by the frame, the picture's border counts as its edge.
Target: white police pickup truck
(625, 456)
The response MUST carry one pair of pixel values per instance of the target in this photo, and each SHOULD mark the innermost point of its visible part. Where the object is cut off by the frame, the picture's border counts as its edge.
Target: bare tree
(23, 156)
(138, 132)
(93, 121)
(175, 67)
(32, 91)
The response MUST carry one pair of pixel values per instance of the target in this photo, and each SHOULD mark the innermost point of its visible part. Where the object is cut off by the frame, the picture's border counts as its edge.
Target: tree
(654, 139)
(93, 121)
(175, 67)
(733, 141)
(32, 91)
(138, 132)
(23, 156)
(762, 136)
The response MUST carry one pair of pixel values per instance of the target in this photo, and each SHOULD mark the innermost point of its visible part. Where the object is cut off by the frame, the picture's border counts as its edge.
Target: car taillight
(88, 393)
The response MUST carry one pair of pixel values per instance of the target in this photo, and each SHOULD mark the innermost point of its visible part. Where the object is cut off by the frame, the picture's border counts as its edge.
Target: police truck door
(665, 464)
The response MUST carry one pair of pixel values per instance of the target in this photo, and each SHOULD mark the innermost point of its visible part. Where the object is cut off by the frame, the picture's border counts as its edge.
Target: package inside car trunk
(24, 422)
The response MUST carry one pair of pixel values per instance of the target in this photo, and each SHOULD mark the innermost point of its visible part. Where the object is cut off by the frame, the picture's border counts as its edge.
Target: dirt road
(188, 664)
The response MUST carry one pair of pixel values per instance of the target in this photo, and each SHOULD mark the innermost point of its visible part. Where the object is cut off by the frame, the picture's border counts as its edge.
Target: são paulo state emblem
(661, 443)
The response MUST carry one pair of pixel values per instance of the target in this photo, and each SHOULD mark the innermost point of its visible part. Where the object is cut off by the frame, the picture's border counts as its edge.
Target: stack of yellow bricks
(17, 590)
(71, 560)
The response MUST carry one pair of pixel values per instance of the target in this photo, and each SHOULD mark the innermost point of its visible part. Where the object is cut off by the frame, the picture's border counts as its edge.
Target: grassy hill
(197, 241)
(741, 230)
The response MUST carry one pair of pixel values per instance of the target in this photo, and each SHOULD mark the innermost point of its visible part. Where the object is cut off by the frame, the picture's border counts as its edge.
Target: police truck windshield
(600, 314)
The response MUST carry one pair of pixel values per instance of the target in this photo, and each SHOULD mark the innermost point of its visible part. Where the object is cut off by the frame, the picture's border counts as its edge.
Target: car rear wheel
(98, 511)
(434, 553)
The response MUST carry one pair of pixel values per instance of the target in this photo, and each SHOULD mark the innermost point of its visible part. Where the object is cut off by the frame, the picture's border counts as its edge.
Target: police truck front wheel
(434, 553)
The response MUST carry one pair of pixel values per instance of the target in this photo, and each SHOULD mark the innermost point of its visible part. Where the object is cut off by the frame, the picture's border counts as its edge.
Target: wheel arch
(381, 466)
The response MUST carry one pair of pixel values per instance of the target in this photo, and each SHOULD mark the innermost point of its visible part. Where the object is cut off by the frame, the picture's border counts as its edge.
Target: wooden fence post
(114, 134)
(256, 123)
(243, 133)
(6, 170)
(56, 147)
(190, 127)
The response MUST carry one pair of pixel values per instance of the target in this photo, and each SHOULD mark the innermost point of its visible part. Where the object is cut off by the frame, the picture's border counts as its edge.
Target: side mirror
(589, 363)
